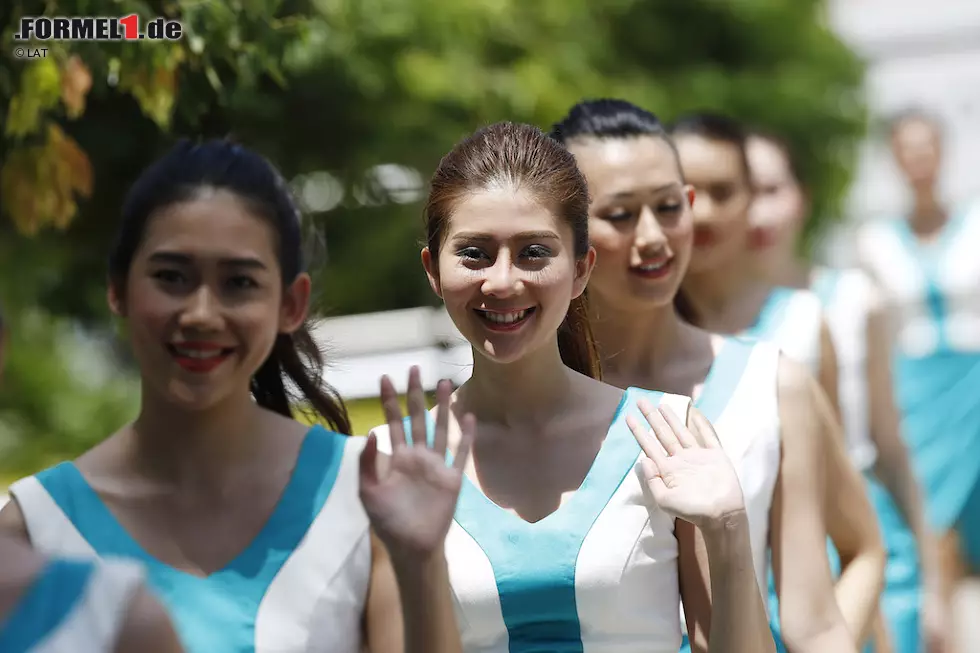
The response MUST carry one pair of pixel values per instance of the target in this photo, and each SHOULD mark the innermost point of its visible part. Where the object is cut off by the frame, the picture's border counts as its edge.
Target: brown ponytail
(576, 342)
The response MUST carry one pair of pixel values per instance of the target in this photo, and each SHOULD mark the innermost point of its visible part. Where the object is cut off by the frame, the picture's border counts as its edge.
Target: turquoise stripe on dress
(216, 612)
(46, 604)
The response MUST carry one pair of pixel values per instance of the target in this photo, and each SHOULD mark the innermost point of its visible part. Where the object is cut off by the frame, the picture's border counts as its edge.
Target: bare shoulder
(147, 628)
(796, 387)
(597, 398)
(12, 521)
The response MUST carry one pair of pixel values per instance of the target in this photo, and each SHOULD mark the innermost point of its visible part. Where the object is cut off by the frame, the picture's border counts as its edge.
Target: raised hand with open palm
(687, 471)
(411, 500)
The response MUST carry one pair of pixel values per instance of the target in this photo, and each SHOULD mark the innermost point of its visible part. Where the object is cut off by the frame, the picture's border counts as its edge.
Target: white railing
(358, 349)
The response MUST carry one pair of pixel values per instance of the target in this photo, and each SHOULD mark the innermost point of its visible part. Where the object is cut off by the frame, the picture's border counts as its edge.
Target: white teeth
(653, 267)
(198, 353)
(505, 318)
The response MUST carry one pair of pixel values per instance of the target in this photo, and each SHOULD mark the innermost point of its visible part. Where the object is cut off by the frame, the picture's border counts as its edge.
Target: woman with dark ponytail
(558, 544)
(258, 533)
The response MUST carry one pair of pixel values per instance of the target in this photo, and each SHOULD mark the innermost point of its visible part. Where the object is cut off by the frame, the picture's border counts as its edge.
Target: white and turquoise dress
(299, 587)
(933, 293)
(740, 399)
(791, 319)
(72, 606)
(598, 575)
(847, 296)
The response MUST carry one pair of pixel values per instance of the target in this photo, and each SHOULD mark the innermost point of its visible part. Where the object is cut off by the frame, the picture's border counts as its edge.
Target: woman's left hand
(688, 472)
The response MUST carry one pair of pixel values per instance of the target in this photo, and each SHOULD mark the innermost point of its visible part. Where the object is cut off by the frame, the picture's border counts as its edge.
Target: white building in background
(919, 54)
(359, 349)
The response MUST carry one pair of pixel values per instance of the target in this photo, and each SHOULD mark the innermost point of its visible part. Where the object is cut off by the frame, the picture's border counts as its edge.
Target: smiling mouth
(199, 360)
(505, 320)
(654, 270)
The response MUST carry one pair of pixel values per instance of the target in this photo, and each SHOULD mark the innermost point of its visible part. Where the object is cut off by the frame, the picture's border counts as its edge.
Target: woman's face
(204, 300)
(722, 197)
(507, 272)
(779, 207)
(640, 221)
(918, 151)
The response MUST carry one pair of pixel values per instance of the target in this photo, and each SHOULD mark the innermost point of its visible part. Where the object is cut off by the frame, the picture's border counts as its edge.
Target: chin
(194, 399)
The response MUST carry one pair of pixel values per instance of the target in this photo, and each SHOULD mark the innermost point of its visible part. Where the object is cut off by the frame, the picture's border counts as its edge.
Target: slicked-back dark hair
(178, 176)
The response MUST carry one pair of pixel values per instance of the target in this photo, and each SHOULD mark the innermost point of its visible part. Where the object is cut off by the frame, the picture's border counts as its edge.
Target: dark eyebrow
(629, 194)
(524, 235)
(184, 259)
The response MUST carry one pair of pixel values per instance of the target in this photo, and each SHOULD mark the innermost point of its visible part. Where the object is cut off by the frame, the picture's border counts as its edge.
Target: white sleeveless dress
(740, 399)
(791, 319)
(299, 587)
(599, 575)
(72, 606)
(848, 296)
(933, 294)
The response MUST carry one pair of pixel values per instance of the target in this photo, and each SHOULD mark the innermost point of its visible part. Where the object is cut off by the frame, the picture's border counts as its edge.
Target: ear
(689, 191)
(583, 270)
(432, 271)
(295, 304)
(114, 297)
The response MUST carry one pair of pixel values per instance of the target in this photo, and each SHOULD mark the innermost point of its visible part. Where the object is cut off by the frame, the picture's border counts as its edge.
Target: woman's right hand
(411, 505)
(687, 471)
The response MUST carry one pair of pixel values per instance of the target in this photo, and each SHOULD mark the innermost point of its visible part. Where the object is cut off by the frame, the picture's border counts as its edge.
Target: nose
(650, 238)
(501, 279)
(202, 312)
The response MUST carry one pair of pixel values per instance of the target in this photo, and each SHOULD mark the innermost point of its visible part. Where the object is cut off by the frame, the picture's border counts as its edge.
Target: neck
(524, 393)
(196, 448)
(927, 211)
(792, 272)
(726, 299)
(633, 344)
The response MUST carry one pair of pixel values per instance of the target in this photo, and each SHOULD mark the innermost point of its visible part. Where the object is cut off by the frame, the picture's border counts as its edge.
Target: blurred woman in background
(858, 324)
(926, 267)
(721, 292)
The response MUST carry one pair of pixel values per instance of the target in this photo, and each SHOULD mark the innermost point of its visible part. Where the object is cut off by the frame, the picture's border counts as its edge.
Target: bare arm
(147, 628)
(12, 521)
(893, 465)
(695, 584)
(829, 374)
(729, 606)
(409, 608)
(852, 526)
(810, 617)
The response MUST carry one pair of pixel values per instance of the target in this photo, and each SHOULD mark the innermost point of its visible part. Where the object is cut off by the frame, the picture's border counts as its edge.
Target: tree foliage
(360, 94)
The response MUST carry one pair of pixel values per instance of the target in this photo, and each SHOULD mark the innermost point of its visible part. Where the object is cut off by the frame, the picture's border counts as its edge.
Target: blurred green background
(355, 101)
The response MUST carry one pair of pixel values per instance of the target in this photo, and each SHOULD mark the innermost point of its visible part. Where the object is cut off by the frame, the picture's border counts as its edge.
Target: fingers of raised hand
(704, 430)
(678, 428)
(369, 462)
(393, 413)
(654, 479)
(416, 408)
(661, 430)
(443, 392)
(650, 445)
